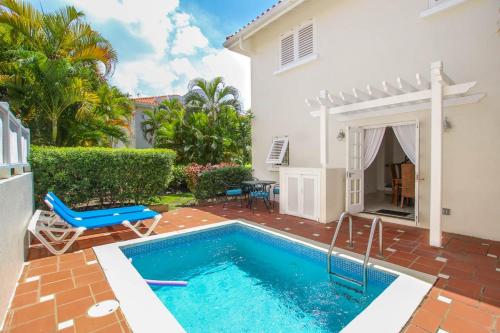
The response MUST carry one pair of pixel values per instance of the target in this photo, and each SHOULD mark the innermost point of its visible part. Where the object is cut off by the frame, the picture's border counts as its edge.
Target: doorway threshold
(387, 218)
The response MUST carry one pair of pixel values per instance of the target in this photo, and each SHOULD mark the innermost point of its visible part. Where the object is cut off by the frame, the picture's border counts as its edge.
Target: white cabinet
(300, 192)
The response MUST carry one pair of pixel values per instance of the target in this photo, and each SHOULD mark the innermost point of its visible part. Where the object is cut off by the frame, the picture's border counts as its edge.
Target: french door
(355, 170)
(417, 170)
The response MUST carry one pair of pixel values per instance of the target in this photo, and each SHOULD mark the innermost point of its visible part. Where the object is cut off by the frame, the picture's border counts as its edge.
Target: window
(436, 6)
(287, 50)
(298, 45)
(278, 153)
(306, 41)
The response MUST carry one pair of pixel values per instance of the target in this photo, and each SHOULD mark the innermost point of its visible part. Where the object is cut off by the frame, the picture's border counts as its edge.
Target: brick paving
(55, 292)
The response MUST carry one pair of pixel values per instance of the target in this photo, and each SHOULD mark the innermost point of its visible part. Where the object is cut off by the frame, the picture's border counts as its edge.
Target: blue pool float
(166, 283)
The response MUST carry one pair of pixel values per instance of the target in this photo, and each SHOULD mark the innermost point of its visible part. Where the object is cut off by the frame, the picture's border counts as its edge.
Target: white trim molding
(303, 61)
(436, 6)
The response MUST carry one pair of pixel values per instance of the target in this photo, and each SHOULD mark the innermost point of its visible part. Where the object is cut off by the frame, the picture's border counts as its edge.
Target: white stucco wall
(365, 42)
(139, 140)
(16, 208)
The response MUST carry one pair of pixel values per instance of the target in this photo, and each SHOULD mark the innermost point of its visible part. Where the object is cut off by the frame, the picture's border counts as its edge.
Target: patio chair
(260, 192)
(53, 199)
(276, 192)
(59, 225)
(233, 191)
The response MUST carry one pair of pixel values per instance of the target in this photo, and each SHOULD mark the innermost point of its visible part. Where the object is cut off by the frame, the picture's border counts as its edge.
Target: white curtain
(373, 140)
(406, 135)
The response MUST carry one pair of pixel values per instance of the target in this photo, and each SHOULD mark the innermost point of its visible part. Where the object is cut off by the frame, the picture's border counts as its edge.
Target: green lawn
(175, 200)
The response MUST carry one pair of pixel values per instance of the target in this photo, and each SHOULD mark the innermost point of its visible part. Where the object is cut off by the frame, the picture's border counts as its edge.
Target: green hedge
(211, 183)
(109, 176)
(178, 182)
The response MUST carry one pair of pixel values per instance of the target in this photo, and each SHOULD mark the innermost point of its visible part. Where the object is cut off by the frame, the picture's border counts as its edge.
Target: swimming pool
(244, 278)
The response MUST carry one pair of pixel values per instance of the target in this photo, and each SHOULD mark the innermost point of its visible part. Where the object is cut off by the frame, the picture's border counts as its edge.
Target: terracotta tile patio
(54, 293)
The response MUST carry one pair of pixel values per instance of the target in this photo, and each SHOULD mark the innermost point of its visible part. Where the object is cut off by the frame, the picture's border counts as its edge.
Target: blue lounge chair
(60, 225)
(54, 200)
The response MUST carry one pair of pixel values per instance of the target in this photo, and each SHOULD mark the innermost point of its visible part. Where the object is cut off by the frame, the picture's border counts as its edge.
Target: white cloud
(188, 40)
(157, 76)
(233, 67)
(182, 19)
(182, 66)
(157, 22)
(148, 21)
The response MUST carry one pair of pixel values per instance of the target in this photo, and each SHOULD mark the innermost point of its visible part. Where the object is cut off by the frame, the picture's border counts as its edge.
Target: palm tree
(158, 117)
(150, 126)
(51, 69)
(211, 97)
(114, 109)
(53, 87)
(62, 34)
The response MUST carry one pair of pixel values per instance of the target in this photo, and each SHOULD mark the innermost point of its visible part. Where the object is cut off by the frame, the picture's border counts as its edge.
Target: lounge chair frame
(57, 230)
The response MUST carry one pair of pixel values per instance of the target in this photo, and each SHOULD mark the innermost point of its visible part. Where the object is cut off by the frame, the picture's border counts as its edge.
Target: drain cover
(103, 308)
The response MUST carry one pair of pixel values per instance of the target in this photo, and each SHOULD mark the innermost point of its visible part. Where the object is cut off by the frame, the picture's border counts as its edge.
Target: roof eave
(234, 41)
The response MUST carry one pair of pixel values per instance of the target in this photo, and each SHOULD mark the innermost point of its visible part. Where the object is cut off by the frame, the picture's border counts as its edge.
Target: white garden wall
(16, 208)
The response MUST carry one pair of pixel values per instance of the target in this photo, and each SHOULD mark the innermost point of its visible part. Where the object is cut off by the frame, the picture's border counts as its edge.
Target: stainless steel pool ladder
(376, 221)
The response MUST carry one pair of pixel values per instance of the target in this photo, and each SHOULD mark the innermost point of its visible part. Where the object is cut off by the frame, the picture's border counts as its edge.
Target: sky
(163, 44)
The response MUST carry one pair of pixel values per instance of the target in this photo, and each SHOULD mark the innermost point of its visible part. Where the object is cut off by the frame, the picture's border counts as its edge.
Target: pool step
(376, 221)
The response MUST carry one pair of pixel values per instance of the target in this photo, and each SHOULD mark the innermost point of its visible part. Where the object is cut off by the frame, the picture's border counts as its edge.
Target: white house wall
(139, 140)
(365, 42)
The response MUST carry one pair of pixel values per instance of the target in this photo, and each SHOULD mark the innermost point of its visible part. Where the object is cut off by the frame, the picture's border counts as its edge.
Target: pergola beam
(361, 95)
(405, 86)
(422, 82)
(447, 102)
(440, 92)
(414, 97)
(390, 89)
(376, 93)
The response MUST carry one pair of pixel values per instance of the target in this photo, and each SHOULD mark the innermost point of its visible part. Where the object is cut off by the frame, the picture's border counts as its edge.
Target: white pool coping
(145, 313)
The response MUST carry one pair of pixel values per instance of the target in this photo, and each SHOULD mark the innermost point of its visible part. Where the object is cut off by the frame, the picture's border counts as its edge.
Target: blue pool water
(245, 280)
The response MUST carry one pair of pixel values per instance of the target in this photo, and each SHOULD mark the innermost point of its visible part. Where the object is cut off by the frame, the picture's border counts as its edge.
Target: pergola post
(323, 131)
(436, 153)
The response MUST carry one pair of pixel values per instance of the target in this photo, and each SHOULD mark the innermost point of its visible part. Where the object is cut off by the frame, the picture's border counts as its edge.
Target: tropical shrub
(81, 176)
(53, 72)
(178, 182)
(211, 182)
(208, 126)
(193, 172)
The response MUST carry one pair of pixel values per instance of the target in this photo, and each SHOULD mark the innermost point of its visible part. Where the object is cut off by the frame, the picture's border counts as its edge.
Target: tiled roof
(255, 19)
(152, 100)
(155, 100)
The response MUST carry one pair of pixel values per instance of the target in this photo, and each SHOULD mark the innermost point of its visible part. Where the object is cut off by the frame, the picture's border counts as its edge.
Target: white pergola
(434, 94)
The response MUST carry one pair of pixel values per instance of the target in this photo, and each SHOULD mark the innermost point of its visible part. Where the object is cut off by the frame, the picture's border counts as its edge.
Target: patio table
(257, 185)
(258, 182)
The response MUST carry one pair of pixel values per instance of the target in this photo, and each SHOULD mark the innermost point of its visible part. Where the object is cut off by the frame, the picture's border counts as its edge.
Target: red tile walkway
(57, 291)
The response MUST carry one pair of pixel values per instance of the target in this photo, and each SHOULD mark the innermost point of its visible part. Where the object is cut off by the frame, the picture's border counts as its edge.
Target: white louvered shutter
(287, 50)
(306, 41)
(277, 151)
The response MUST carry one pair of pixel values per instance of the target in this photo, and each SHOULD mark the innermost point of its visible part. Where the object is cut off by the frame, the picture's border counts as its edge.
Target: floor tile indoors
(55, 292)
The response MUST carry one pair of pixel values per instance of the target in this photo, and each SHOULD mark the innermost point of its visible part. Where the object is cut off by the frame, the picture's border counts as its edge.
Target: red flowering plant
(208, 181)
